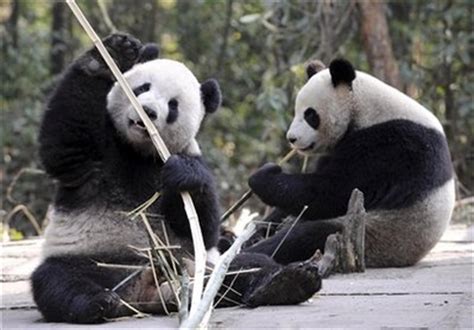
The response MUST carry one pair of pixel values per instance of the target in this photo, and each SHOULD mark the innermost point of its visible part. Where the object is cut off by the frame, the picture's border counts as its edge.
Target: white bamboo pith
(198, 242)
(217, 277)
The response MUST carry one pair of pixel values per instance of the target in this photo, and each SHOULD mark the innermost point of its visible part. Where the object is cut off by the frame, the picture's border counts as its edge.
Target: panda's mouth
(138, 124)
(308, 148)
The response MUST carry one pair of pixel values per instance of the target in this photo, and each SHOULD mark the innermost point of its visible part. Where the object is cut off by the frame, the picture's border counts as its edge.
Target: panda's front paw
(124, 49)
(183, 173)
(265, 181)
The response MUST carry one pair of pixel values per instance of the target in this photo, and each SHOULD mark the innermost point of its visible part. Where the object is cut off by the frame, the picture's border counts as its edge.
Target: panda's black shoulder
(401, 159)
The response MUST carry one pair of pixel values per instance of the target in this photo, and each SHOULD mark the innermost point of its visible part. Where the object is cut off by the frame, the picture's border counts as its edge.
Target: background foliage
(256, 49)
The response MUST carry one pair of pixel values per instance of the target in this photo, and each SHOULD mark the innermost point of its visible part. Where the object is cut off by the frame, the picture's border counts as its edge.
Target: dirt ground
(436, 293)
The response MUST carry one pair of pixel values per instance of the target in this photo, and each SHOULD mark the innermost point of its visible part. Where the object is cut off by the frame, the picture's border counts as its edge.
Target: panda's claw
(124, 48)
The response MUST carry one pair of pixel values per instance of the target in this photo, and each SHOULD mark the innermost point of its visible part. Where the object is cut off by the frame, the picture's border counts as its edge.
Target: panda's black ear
(148, 52)
(314, 67)
(211, 95)
(341, 71)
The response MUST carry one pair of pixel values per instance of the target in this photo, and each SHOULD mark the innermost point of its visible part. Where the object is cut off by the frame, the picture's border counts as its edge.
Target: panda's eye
(141, 89)
(172, 111)
(312, 118)
(173, 104)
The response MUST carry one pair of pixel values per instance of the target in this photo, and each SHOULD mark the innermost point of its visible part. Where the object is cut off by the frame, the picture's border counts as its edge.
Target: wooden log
(353, 235)
(344, 252)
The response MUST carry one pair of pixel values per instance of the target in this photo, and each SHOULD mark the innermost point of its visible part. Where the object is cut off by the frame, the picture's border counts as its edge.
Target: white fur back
(403, 237)
(99, 231)
(377, 102)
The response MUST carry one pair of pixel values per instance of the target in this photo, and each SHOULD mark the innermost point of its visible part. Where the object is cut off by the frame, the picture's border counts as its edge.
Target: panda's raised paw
(124, 48)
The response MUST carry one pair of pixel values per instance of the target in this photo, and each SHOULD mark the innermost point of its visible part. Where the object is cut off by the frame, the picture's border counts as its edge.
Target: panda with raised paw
(373, 138)
(95, 146)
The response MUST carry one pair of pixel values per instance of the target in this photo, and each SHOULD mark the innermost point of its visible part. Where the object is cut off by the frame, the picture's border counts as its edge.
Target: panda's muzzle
(150, 112)
(138, 123)
(308, 148)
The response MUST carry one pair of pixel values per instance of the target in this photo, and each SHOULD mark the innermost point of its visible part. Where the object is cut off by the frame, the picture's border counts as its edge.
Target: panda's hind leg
(74, 290)
(298, 243)
(256, 280)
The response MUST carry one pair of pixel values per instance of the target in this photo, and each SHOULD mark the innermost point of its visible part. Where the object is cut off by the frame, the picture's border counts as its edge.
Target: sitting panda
(373, 138)
(94, 144)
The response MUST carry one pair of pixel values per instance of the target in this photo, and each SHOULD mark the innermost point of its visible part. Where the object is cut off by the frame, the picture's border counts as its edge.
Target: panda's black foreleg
(74, 290)
(255, 279)
(267, 226)
(298, 243)
(190, 173)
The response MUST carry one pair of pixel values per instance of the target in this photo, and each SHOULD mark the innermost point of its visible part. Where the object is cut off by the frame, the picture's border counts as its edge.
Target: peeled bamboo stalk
(198, 242)
(216, 279)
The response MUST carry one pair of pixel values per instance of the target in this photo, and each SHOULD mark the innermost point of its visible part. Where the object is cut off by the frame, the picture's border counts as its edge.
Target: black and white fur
(94, 144)
(375, 139)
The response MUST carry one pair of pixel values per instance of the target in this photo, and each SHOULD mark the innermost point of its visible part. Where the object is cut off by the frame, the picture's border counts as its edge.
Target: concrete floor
(436, 293)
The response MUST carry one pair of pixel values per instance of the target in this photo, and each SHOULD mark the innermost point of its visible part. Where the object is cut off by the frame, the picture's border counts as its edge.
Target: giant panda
(95, 146)
(371, 137)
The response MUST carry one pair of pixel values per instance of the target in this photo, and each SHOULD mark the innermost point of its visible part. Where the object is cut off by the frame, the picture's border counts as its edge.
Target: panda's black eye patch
(172, 111)
(312, 118)
(141, 89)
(173, 103)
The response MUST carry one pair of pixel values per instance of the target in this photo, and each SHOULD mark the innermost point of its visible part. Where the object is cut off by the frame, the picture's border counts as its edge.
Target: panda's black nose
(150, 112)
(292, 139)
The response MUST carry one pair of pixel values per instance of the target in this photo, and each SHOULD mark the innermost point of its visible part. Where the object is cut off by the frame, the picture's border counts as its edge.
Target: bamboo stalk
(287, 157)
(184, 294)
(143, 207)
(229, 288)
(27, 213)
(138, 313)
(165, 267)
(245, 197)
(126, 279)
(198, 242)
(216, 279)
(157, 283)
(305, 164)
(289, 230)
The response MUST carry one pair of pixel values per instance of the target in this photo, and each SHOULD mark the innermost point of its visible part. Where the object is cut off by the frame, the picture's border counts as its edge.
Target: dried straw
(289, 230)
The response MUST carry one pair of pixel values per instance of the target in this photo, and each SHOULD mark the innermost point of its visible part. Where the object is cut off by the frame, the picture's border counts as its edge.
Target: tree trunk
(377, 42)
(225, 36)
(150, 24)
(58, 45)
(12, 24)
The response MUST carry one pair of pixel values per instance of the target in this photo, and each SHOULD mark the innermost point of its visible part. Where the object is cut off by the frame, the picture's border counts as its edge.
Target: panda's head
(323, 107)
(173, 99)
